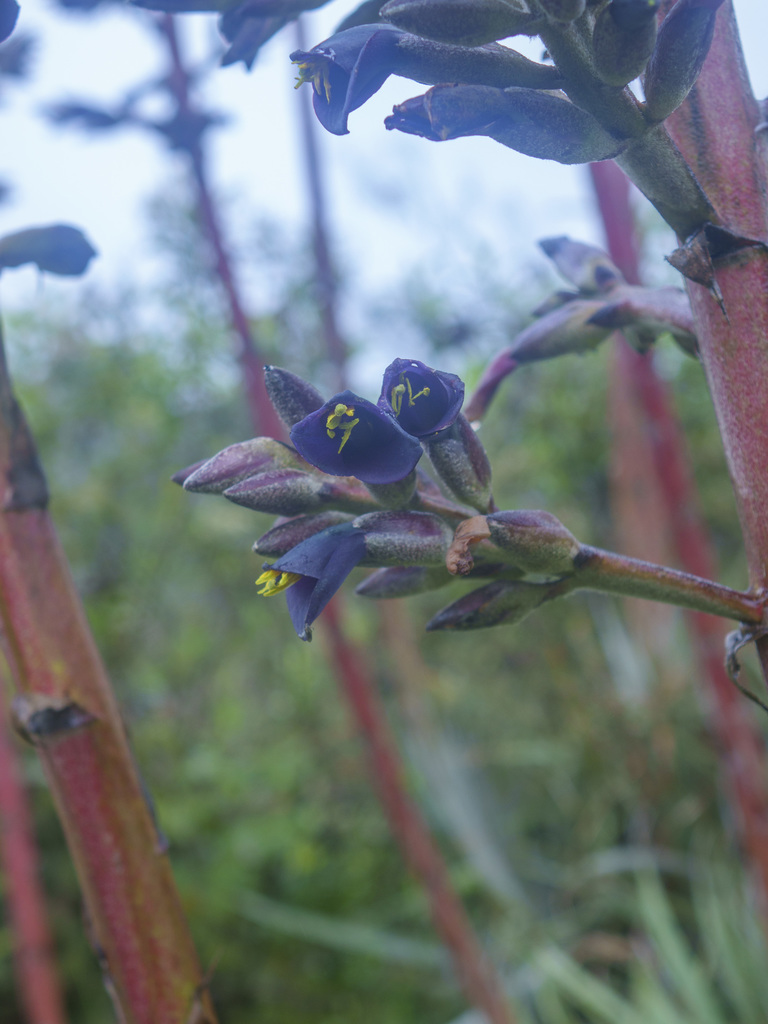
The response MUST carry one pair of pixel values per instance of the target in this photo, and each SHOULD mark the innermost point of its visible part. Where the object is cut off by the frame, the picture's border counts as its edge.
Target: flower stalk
(37, 982)
(65, 706)
(716, 131)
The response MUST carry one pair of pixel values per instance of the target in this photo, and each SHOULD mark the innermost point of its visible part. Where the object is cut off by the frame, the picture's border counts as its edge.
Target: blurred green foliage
(552, 769)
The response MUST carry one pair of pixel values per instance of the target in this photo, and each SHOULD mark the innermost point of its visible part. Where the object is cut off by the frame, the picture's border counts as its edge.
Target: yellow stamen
(397, 398)
(317, 74)
(334, 422)
(399, 390)
(273, 581)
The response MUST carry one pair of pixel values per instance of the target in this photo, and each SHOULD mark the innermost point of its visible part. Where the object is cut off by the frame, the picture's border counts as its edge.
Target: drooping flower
(346, 70)
(312, 572)
(349, 436)
(424, 401)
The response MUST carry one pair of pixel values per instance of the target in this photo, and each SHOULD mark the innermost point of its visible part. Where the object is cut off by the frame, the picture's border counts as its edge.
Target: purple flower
(349, 436)
(346, 70)
(312, 572)
(424, 401)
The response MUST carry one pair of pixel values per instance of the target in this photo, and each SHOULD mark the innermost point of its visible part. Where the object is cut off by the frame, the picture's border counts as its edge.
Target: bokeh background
(567, 768)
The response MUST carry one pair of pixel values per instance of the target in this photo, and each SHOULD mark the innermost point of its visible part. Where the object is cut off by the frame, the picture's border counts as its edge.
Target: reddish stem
(476, 975)
(740, 745)
(716, 131)
(265, 420)
(66, 707)
(325, 276)
(37, 980)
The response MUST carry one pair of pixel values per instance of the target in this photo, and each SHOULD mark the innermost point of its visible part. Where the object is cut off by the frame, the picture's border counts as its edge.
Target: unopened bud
(404, 538)
(682, 45)
(241, 460)
(461, 462)
(531, 121)
(403, 581)
(585, 266)
(491, 605)
(649, 312)
(570, 328)
(493, 65)
(623, 40)
(292, 396)
(535, 540)
(292, 492)
(563, 10)
(397, 494)
(286, 535)
(181, 475)
(466, 22)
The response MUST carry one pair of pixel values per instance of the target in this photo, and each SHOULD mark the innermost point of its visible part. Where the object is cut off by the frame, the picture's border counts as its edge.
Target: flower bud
(570, 328)
(292, 397)
(292, 492)
(623, 40)
(466, 22)
(404, 538)
(242, 460)
(585, 266)
(495, 603)
(181, 475)
(682, 45)
(395, 495)
(648, 312)
(403, 581)
(534, 122)
(461, 462)
(287, 534)
(536, 541)
(563, 10)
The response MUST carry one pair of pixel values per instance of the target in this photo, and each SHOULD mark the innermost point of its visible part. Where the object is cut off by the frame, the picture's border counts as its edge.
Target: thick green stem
(631, 577)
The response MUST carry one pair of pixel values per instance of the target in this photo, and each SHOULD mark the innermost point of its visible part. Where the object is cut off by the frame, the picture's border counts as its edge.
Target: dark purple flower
(312, 572)
(424, 401)
(346, 70)
(349, 436)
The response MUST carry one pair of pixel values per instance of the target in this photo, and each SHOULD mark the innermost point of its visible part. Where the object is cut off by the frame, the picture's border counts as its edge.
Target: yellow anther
(396, 399)
(315, 72)
(399, 390)
(334, 422)
(273, 581)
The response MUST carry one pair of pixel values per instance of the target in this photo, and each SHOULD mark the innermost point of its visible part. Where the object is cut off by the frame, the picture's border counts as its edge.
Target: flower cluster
(349, 494)
(575, 108)
(347, 489)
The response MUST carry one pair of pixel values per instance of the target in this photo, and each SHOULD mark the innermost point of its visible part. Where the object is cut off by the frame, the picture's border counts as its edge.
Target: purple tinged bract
(424, 401)
(349, 436)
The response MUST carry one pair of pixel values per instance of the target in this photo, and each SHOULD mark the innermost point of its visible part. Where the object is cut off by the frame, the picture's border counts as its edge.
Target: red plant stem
(353, 674)
(37, 980)
(740, 746)
(66, 707)
(325, 277)
(265, 420)
(715, 130)
(475, 974)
